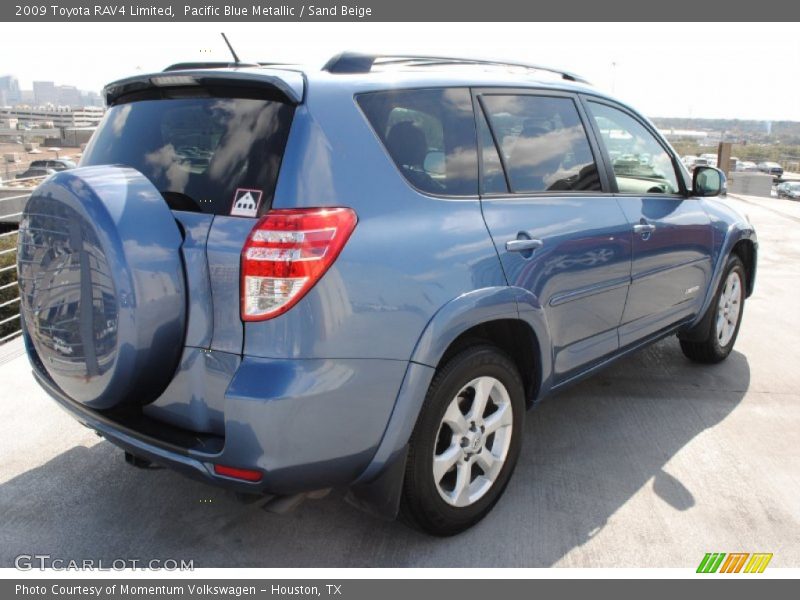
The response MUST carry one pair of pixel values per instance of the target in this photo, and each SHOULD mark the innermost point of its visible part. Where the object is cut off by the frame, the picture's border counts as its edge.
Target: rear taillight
(287, 252)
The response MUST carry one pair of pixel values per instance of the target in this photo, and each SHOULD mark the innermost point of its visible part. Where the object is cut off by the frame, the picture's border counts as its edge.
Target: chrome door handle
(523, 245)
(644, 228)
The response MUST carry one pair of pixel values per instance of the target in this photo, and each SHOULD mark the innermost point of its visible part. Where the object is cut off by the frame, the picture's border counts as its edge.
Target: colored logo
(734, 562)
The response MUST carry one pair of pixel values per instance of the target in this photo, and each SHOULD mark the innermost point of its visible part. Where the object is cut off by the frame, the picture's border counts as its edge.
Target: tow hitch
(139, 462)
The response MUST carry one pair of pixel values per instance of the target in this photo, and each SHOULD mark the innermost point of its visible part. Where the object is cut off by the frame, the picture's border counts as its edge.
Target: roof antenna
(235, 58)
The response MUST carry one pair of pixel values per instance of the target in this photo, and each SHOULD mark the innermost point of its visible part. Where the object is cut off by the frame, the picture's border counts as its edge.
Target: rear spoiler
(289, 86)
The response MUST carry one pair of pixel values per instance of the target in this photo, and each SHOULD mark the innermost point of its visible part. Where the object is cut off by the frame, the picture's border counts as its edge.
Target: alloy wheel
(729, 307)
(473, 441)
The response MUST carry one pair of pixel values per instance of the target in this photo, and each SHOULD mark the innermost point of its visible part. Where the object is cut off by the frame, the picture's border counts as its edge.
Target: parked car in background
(57, 164)
(288, 280)
(789, 189)
(33, 171)
(44, 167)
(697, 161)
(771, 168)
(746, 166)
(710, 158)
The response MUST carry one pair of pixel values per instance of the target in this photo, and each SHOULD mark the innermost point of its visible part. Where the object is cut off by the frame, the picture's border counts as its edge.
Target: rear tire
(466, 442)
(726, 311)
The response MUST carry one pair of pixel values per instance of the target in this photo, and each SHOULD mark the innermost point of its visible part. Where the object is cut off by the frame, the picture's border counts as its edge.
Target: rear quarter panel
(409, 255)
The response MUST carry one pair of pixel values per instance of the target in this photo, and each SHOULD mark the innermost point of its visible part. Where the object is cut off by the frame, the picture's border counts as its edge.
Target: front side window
(542, 143)
(430, 135)
(640, 163)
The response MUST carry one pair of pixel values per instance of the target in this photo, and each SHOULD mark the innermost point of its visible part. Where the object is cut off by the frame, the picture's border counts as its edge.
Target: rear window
(430, 135)
(209, 154)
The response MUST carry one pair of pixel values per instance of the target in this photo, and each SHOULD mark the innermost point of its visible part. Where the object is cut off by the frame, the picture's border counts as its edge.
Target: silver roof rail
(356, 62)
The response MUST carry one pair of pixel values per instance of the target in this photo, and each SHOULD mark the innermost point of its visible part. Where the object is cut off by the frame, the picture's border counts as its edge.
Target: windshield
(215, 155)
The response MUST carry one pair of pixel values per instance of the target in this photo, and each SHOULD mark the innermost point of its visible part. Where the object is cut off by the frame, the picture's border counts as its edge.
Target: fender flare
(379, 486)
(735, 233)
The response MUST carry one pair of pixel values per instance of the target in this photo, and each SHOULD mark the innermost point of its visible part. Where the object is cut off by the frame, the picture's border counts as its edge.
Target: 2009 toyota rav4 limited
(284, 280)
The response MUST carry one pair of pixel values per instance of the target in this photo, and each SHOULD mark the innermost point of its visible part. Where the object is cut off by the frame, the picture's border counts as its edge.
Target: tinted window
(543, 143)
(493, 180)
(430, 135)
(201, 153)
(641, 165)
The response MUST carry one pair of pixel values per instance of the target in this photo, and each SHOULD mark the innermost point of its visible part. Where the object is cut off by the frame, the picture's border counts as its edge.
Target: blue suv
(283, 280)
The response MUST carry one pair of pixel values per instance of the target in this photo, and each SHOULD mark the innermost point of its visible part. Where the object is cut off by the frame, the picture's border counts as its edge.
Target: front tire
(728, 307)
(466, 442)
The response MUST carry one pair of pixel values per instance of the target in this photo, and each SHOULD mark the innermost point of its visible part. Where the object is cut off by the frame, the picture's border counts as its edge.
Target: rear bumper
(304, 424)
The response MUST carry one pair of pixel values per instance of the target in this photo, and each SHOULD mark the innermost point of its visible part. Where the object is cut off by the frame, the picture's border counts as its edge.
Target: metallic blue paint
(195, 398)
(582, 268)
(328, 393)
(459, 315)
(223, 252)
(102, 296)
(729, 228)
(200, 316)
(309, 424)
(671, 265)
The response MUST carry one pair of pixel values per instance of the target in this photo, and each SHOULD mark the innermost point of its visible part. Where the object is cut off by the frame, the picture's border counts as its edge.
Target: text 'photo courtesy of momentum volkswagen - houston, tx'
(284, 280)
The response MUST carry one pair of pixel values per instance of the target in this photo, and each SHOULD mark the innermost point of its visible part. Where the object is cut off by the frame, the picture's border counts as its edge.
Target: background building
(60, 117)
(68, 95)
(44, 92)
(9, 90)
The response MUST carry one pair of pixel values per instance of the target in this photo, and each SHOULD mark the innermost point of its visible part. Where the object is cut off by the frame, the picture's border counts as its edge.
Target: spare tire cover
(102, 285)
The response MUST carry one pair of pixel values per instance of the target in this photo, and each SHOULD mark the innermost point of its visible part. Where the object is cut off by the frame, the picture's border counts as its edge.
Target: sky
(713, 70)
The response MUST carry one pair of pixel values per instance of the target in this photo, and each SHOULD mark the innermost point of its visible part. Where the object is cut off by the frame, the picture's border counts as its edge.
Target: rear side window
(209, 154)
(542, 143)
(430, 135)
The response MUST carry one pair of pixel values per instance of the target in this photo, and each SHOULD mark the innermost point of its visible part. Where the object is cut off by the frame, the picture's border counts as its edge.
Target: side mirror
(708, 181)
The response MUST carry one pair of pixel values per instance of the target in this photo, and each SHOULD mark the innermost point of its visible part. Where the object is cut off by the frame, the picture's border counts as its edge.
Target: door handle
(523, 245)
(644, 228)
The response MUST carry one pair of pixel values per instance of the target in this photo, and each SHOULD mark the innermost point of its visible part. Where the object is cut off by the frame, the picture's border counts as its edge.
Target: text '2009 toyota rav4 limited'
(283, 280)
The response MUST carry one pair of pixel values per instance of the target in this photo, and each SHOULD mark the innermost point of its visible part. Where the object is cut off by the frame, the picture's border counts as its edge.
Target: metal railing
(9, 288)
(9, 171)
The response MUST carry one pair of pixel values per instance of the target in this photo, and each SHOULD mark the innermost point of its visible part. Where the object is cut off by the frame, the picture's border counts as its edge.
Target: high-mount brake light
(286, 253)
(173, 80)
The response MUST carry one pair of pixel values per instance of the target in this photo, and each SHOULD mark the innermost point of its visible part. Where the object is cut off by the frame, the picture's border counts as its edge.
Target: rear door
(672, 236)
(214, 154)
(556, 230)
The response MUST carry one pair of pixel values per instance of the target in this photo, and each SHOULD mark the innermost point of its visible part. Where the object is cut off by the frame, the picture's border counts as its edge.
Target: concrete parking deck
(652, 463)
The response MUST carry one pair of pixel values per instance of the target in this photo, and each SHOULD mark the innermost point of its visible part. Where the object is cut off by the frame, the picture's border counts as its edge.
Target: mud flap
(381, 496)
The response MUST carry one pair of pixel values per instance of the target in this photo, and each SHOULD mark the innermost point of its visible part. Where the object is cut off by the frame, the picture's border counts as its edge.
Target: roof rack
(356, 62)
